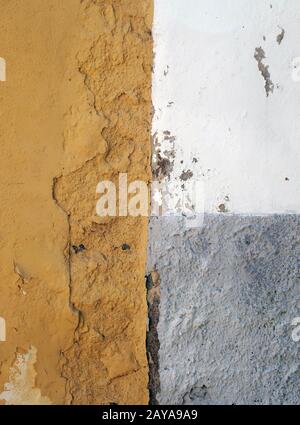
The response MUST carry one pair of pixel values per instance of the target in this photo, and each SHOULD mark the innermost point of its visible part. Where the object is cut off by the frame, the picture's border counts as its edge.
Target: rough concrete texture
(229, 292)
(75, 109)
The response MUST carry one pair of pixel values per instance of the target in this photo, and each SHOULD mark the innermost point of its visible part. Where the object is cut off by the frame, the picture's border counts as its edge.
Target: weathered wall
(229, 292)
(210, 94)
(75, 109)
(226, 115)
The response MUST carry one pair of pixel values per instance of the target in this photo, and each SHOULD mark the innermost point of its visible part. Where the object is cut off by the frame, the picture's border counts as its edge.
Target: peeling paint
(107, 258)
(186, 175)
(2, 69)
(230, 285)
(88, 120)
(21, 388)
(163, 155)
(228, 102)
(2, 329)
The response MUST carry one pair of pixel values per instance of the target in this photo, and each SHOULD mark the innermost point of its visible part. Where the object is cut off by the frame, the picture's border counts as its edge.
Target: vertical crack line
(152, 341)
(67, 254)
(78, 313)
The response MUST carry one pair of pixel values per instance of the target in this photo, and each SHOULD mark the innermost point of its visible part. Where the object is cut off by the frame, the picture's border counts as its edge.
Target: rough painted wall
(75, 109)
(75, 103)
(226, 116)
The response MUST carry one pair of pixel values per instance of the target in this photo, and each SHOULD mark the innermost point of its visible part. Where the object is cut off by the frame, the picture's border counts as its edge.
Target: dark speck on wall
(280, 36)
(186, 175)
(79, 248)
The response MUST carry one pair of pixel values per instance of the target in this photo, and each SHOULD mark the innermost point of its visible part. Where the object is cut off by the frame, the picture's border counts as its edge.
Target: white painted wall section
(235, 128)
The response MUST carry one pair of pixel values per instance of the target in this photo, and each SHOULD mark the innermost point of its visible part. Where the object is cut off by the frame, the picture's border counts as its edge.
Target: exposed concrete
(229, 293)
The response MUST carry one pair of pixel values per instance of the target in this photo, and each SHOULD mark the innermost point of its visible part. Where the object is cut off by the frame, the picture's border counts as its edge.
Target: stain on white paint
(280, 36)
(21, 390)
(260, 56)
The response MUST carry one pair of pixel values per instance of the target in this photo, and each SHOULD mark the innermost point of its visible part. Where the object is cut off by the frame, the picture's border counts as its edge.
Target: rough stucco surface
(75, 109)
(229, 292)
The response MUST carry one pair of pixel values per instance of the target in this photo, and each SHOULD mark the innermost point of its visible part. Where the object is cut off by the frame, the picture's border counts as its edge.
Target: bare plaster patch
(20, 390)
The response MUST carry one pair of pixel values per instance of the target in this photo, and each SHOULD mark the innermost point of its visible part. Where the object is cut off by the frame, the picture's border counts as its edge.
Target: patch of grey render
(229, 292)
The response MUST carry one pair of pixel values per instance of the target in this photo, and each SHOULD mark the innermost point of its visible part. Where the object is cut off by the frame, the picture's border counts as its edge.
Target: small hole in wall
(79, 248)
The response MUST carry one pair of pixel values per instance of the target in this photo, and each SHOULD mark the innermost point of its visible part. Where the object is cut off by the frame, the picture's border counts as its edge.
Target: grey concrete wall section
(229, 292)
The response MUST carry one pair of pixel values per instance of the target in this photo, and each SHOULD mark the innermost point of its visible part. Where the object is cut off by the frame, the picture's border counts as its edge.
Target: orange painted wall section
(75, 109)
